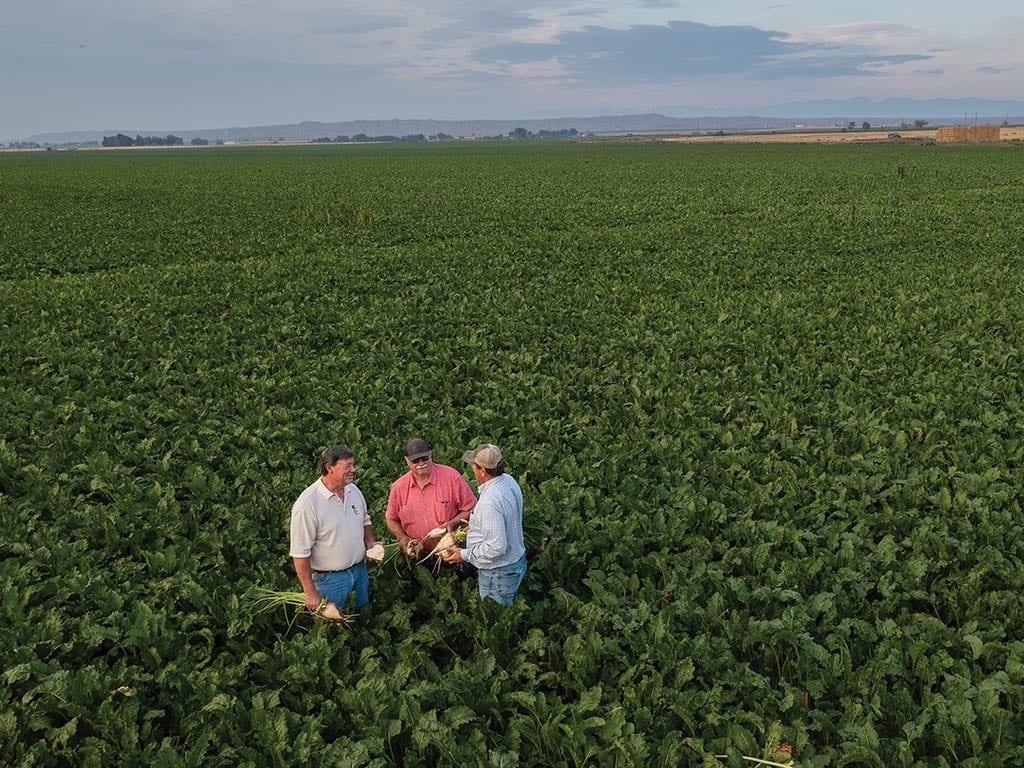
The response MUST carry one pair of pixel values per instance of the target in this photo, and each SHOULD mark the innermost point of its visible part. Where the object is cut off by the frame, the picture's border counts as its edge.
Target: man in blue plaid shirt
(494, 541)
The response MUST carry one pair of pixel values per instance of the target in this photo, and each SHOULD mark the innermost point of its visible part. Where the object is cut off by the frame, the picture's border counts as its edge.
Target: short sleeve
(303, 530)
(392, 512)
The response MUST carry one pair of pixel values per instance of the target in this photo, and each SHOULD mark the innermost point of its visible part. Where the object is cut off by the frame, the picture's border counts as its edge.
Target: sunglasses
(420, 460)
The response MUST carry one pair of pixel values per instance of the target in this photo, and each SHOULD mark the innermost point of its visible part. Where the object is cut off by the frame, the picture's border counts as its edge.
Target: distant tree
(851, 125)
(120, 140)
(322, 140)
(920, 123)
(866, 125)
(557, 134)
(360, 137)
(197, 142)
(519, 133)
(341, 139)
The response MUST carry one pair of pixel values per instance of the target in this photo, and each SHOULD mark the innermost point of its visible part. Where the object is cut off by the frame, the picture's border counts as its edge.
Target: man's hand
(457, 522)
(413, 548)
(454, 555)
(313, 600)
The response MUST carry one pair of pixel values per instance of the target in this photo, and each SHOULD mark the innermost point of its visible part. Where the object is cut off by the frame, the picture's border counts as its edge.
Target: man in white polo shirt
(494, 541)
(330, 533)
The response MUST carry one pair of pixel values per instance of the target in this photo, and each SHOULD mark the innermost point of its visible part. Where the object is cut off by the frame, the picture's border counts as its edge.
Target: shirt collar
(432, 478)
(327, 492)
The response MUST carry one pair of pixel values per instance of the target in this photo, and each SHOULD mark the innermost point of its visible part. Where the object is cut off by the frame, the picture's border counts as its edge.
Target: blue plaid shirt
(495, 535)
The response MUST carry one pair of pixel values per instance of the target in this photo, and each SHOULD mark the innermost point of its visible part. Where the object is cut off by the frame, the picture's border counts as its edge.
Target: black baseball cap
(417, 448)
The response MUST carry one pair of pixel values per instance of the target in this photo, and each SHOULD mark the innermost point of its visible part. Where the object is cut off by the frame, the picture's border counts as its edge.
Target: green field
(765, 403)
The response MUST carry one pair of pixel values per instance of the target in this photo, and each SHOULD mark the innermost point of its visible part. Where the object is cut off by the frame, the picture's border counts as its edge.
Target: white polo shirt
(328, 528)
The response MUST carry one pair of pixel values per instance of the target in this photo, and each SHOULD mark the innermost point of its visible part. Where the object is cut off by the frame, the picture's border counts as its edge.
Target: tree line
(516, 133)
(361, 137)
(121, 140)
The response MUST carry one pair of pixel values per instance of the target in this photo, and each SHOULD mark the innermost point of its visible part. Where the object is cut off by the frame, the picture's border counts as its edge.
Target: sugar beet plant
(764, 403)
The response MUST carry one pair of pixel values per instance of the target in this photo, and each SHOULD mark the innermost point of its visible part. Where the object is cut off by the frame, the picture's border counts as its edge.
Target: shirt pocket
(444, 510)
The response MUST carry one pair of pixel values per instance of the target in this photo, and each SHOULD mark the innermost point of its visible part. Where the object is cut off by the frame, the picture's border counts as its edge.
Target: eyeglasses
(420, 460)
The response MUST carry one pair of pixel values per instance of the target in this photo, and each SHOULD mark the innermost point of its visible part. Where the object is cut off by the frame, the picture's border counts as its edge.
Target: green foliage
(764, 404)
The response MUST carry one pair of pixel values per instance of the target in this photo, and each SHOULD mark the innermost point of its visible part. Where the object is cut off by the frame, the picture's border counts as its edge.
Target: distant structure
(964, 134)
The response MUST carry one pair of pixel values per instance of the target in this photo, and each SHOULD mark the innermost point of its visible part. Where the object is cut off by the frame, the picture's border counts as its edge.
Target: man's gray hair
(332, 454)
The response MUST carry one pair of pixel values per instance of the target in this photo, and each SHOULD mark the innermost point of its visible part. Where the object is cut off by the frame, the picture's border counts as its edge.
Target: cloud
(357, 27)
(584, 11)
(938, 72)
(827, 64)
(658, 4)
(649, 53)
(993, 70)
(871, 33)
(643, 51)
(481, 22)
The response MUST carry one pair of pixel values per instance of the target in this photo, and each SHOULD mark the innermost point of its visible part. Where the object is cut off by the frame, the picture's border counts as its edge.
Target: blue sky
(108, 64)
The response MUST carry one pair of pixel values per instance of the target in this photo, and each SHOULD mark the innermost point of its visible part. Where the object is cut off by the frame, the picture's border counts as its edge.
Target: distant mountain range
(684, 119)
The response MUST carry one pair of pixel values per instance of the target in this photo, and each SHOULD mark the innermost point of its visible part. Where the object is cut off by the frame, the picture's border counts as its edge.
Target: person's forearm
(460, 519)
(305, 573)
(398, 532)
(368, 538)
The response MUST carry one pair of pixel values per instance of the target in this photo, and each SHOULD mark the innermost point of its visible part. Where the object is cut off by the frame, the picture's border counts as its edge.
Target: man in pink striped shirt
(426, 497)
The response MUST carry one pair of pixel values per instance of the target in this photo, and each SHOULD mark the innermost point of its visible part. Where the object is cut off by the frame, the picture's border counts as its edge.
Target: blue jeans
(501, 584)
(337, 585)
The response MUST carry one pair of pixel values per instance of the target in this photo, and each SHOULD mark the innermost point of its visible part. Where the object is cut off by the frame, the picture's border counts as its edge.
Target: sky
(111, 64)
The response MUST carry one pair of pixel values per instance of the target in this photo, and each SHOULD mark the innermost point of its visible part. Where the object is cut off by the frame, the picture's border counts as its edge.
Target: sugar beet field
(764, 404)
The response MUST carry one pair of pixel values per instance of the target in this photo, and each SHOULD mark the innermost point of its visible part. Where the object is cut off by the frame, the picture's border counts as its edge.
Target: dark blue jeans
(501, 584)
